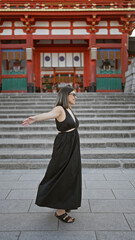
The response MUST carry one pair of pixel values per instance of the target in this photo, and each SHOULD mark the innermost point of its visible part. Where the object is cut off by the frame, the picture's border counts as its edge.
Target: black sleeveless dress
(61, 185)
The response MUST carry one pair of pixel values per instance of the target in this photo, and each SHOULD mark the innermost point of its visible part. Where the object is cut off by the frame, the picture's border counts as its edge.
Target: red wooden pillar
(92, 44)
(93, 76)
(29, 44)
(86, 82)
(0, 68)
(74, 79)
(124, 57)
(37, 71)
(54, 76)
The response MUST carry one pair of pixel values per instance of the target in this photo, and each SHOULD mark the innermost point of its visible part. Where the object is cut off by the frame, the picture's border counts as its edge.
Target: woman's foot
(63, 216)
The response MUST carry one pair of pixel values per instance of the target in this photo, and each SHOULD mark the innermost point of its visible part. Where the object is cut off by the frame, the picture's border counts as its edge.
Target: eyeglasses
(73, 94)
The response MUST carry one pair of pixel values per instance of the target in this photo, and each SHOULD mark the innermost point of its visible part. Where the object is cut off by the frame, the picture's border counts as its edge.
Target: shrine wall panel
(60, 24)
(41, 24)
(80, 32)
(115, 31)
(6, 32)
(102, 31)
(19, 32)
(114, 23)
(6, 24)
(18, 24)
(61, 32)
(79, 24)
(102, 24)
(41, 32)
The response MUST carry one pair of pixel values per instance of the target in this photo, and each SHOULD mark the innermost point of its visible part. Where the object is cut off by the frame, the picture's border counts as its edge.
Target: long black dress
(61, 185)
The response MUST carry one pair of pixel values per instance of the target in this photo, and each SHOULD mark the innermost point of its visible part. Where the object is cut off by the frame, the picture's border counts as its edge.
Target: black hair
(62, 97)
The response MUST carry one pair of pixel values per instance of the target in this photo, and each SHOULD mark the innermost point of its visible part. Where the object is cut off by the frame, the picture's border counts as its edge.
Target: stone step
(85, 143)
(82, 94)
(90, 115)
(107, 129)
(83, 134)
(14, 112)
(52, 127)
(41, 95)
(89, 107)
(81, 103)
(86, 163)
(51, 141)
(78, 99)
(81, 120)
(86, 153)
(39, 163)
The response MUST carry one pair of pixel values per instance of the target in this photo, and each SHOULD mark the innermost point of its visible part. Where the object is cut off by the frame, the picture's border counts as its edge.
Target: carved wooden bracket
(128, 23)
(93, 21)
(28, 21)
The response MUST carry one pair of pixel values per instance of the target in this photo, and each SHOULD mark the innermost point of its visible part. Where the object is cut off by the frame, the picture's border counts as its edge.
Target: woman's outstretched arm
(55, 113)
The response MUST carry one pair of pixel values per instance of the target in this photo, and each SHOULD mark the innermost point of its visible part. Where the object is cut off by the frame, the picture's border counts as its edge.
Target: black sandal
(68, 210)
(65, 218)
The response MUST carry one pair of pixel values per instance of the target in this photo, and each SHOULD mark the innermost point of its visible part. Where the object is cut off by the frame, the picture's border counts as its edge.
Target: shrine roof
(67, 6)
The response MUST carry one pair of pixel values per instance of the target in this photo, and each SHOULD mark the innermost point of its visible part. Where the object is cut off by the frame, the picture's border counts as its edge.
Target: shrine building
(47, 44)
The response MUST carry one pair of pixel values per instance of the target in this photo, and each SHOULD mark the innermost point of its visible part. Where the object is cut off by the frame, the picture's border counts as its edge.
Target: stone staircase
(107, 130)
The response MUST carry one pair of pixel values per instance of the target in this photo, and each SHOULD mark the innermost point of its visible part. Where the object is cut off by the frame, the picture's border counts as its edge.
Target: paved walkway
(107, 212)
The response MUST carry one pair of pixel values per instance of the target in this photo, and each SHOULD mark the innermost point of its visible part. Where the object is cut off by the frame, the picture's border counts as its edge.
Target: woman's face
(71, 98)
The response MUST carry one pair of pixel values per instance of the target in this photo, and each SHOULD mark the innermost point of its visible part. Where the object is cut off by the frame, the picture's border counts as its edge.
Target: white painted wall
(115, 31)
(114, 23)
(80, 32)
(19, 24)
(6, 24)
(61, 32)
(80, 23)
(6, 32)
(61, 24)
(102, 31)
(41, 24)
(102, 23)
(19, 32)
(41, 32)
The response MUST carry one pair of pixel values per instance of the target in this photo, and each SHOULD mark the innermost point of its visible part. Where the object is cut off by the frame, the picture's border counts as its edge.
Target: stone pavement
(107, 211)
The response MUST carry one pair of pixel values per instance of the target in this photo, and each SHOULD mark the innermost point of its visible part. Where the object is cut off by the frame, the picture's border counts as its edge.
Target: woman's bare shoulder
(58, 108)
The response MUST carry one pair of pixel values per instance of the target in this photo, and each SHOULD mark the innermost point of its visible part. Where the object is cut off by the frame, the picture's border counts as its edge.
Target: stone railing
(130, 78)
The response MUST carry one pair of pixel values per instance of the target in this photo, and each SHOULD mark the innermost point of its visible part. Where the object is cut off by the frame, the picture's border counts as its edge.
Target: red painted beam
(15, 76)
(59, 49)
(13, 46)
(108, 75)
(108, 45)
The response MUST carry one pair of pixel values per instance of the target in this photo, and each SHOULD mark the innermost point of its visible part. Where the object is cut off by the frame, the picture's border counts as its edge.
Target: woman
(61, 185)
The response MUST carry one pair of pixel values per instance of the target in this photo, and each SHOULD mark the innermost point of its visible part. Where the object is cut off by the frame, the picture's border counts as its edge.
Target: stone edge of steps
(85, 164)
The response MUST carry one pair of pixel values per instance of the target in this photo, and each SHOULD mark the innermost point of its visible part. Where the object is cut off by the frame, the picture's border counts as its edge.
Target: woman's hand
(28, 121)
